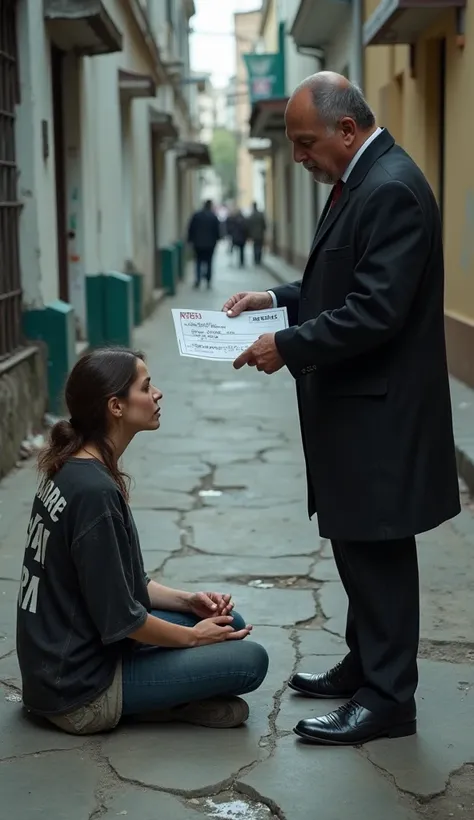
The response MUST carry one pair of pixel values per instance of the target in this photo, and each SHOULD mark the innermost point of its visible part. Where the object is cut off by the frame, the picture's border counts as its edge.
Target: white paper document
(211, 334)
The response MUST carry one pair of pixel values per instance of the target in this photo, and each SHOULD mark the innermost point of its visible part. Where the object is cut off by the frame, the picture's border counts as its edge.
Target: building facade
(418, 66)
(100, 141)
(275, 68)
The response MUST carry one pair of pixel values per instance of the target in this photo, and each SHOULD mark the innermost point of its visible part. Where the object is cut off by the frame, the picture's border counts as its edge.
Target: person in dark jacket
(257, 227)
(204, 233)
(239, 231)
(366, 347)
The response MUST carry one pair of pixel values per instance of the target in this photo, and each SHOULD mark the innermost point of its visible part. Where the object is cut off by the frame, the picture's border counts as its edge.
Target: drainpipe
(357, 72)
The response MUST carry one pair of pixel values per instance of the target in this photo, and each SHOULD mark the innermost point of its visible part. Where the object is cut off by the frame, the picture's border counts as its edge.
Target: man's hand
(206, 604)
(263, 355)
(248, 300)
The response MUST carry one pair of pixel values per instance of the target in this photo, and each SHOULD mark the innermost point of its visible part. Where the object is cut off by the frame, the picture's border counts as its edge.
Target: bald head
(327, 120)
(333, 97)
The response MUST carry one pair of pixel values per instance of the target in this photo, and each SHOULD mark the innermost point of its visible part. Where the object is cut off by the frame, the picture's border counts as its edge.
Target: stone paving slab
(159, 531)
(251, 532)
(173, 757)
(59, 785)
(22, 736)
(201, 568)
(10, 670)
(445, 741)
(144, 497)
(142, 804)
(333, 601)
(328, 783)
(325, 570)
(321, 643)
(8, 601)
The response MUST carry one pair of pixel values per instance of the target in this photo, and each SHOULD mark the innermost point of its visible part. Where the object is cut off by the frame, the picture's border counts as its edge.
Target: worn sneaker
(215, 713)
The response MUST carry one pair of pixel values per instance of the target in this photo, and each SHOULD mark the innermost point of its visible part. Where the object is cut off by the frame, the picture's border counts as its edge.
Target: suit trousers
(383, 620)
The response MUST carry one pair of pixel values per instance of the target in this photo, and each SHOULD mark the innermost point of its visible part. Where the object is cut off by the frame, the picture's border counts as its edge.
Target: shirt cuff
(274, 299)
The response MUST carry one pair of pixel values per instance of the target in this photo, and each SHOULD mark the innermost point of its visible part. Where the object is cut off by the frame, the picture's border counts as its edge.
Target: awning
(267, 120)
(402, 21)
(82, 26)
(259, 149)
(162, 125)
(317, 22)
(194, 153)
(132, 84)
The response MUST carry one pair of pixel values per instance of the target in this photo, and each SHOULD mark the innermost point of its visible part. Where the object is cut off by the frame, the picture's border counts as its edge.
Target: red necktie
(336, 192)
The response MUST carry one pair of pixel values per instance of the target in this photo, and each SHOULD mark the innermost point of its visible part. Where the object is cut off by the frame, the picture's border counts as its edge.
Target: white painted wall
(38, 236)
(109, 168)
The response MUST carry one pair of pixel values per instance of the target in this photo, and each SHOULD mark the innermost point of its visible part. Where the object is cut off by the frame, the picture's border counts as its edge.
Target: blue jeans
(156, 678)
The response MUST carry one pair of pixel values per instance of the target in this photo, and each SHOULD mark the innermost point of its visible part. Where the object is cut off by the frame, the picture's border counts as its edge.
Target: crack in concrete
(12, 687)
(253, 794)
(278, 581)
(206, 482)
(449, 651)
(40, 753)
(418, 799)
(7, 654)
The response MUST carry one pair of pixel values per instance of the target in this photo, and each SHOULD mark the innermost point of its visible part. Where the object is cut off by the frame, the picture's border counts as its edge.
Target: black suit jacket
(367, 350)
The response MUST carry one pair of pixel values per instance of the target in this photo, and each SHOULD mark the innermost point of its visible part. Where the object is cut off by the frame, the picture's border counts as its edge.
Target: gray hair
(333, 103)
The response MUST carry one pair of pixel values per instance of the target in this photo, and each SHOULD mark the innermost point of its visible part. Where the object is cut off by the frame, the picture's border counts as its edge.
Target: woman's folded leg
(157, 679)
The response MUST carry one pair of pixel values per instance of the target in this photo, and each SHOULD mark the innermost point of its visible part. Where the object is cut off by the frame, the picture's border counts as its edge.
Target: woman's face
(140, 410)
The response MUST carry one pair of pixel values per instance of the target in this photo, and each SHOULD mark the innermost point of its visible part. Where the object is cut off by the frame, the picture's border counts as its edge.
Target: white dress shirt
(355, 159)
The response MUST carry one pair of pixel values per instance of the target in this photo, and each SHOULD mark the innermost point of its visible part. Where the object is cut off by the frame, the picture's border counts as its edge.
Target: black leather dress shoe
(335, 683)
(352, 725)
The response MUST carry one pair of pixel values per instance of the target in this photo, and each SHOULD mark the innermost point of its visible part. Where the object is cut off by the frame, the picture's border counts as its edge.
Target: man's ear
(348, 129)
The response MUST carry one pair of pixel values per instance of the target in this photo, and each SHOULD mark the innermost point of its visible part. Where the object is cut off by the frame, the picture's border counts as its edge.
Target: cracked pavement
(219, 500)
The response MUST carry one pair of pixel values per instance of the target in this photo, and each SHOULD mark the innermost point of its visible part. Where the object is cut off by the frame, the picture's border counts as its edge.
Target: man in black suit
(366, 347)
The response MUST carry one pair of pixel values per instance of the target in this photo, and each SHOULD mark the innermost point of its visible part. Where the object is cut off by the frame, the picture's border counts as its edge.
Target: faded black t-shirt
(83, 588)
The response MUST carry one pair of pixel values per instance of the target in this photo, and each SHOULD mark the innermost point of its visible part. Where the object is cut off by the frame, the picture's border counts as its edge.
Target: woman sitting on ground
(96, 638)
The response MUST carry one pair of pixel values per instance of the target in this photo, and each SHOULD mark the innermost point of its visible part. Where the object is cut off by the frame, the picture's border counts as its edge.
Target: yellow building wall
(409, 107)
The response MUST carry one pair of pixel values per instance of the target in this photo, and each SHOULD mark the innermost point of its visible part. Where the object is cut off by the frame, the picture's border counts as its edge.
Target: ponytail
(64, 442)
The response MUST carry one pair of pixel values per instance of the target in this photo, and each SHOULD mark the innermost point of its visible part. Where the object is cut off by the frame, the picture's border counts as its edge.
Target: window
(10, 284)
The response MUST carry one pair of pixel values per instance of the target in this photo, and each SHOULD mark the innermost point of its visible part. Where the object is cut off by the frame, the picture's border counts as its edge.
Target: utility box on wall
(55, 326)
(110, 309)
(169, 269)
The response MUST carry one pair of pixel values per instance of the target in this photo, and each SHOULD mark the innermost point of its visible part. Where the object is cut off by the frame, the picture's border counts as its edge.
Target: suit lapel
(329, 216)
(321, 220)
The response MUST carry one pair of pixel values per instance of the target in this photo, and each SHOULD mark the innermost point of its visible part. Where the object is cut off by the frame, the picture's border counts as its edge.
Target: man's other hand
(263, 355)
(248, 300)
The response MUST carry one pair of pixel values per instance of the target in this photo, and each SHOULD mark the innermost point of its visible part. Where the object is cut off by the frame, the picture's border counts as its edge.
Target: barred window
(10, 281)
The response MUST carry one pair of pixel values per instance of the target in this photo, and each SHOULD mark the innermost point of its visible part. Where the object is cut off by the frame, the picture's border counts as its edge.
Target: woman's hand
(206, 604)
(216, 630)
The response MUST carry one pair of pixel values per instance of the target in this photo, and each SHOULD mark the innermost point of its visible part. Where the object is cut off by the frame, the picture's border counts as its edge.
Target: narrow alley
(219, 500)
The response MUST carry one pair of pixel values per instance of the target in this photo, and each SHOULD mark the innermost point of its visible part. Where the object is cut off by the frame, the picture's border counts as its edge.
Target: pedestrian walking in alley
(96, 638)
(239, 230)
(366, 347)
(257, 228)
(204, 233)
